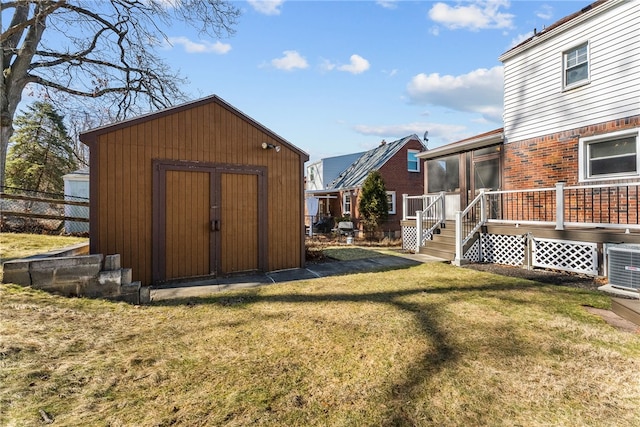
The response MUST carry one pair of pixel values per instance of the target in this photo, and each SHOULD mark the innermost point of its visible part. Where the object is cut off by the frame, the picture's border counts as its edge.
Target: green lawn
(427, 345)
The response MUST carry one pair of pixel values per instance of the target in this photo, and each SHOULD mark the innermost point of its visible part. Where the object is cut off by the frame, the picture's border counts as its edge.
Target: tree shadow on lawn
(444, 352)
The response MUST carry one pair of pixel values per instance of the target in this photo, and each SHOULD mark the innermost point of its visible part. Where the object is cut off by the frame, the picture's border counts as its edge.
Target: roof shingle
(371, 160)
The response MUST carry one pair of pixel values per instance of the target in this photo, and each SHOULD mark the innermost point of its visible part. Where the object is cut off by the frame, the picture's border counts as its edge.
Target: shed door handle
(215, 225)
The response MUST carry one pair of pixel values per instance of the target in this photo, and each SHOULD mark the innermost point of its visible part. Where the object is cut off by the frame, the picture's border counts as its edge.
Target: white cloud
(169, 4)
(480, 91)
(519, 39)
(474, 16)
(388, 4)
(441, 131)
(327, 65)
(199, 47)
(390, 73)
(545, 12)
(290, 61)
(357, 65)
(267, 7)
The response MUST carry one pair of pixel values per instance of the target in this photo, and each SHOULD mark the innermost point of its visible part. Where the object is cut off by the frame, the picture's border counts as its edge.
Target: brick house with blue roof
(401, 170)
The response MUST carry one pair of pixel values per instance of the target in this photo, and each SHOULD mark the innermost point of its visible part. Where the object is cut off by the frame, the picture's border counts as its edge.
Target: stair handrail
(433, 216)
(473, 225)
(437, 206)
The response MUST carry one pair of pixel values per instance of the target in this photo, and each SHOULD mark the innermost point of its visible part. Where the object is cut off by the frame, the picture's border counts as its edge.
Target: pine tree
(41, 151)
(373, 204)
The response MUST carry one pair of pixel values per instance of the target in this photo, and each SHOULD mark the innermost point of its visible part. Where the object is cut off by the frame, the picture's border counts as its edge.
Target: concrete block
(144, 295)
(67, 289)
(129, 293)
(78, 276)
(129, 288)
(110, 276)
(16, 272)
(81, 273)
(127, 276)
(42, 278)
(112, 262)
(65, 262)
(107, 284)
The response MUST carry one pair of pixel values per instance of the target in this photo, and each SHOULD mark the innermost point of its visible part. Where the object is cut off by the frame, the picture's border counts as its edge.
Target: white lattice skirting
(578, 257)
(409, 238)
(498, 249)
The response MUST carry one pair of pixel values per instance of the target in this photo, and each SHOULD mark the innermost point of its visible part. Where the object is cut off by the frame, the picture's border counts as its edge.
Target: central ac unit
(623, 266)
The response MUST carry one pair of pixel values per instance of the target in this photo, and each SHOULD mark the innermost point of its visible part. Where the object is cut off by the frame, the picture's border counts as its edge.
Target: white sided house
(558, 186)
(320, 174)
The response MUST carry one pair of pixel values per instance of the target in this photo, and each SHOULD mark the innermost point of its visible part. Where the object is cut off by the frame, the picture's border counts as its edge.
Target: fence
(24, 211)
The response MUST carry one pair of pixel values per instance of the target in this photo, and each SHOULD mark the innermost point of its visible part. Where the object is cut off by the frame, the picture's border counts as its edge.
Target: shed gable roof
(91, 136)
(371, 160)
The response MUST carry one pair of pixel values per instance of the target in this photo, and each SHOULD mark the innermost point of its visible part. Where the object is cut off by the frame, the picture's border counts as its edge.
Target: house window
(610, 156)
(391, 201)
(443, 174)
(413, 163)
(576, 65)
(346, 203)
(312, 175)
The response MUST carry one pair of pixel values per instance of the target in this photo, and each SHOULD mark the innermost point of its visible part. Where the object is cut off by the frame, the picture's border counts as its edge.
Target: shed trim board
(216, 172)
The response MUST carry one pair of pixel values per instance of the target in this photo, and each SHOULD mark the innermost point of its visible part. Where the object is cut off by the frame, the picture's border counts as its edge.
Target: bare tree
(99, 52)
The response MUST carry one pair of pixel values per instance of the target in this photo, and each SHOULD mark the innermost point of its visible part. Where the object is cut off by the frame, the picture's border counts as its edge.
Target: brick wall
(547, 159)
(543, 161)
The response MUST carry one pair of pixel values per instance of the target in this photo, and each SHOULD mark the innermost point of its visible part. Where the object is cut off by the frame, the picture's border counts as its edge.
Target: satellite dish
(426, 140)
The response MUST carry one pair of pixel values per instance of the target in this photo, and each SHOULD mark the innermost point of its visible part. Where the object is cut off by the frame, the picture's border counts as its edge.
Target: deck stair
(627, 309)
(443, 244)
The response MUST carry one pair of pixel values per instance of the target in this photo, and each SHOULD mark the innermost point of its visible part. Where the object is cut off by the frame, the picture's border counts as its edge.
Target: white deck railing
(412, 204)
(562, 206)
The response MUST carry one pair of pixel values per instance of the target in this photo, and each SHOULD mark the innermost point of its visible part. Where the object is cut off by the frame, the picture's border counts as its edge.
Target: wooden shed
(197, 190)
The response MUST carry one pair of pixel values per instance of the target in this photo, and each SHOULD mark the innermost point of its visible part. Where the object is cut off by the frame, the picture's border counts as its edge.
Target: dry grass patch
(428, 345)
(15, 245)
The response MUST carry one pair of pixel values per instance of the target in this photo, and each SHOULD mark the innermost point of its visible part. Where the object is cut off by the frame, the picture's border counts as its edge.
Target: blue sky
(337, 77)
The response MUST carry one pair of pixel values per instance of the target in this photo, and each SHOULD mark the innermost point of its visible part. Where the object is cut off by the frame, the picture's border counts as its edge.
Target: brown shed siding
(190, 249)
(208, 131)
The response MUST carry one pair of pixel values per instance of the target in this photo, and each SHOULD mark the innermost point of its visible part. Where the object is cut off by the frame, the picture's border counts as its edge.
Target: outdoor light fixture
(267, 146)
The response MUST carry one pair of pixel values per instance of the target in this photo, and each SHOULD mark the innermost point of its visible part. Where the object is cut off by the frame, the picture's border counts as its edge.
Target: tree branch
(17, 26)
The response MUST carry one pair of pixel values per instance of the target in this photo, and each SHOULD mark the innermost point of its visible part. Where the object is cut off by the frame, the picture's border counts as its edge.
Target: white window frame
(583, 155)
(346, 198)
(392, 209)
(409, 152)
(565, 54)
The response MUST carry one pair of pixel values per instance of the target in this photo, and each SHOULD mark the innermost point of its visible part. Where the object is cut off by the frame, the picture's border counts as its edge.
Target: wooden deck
(627, 309)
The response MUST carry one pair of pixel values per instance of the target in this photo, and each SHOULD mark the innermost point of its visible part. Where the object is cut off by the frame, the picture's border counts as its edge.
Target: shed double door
(207, 220)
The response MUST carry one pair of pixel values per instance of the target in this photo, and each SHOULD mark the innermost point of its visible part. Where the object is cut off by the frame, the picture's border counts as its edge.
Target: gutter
(469, 145)
(544, 35)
